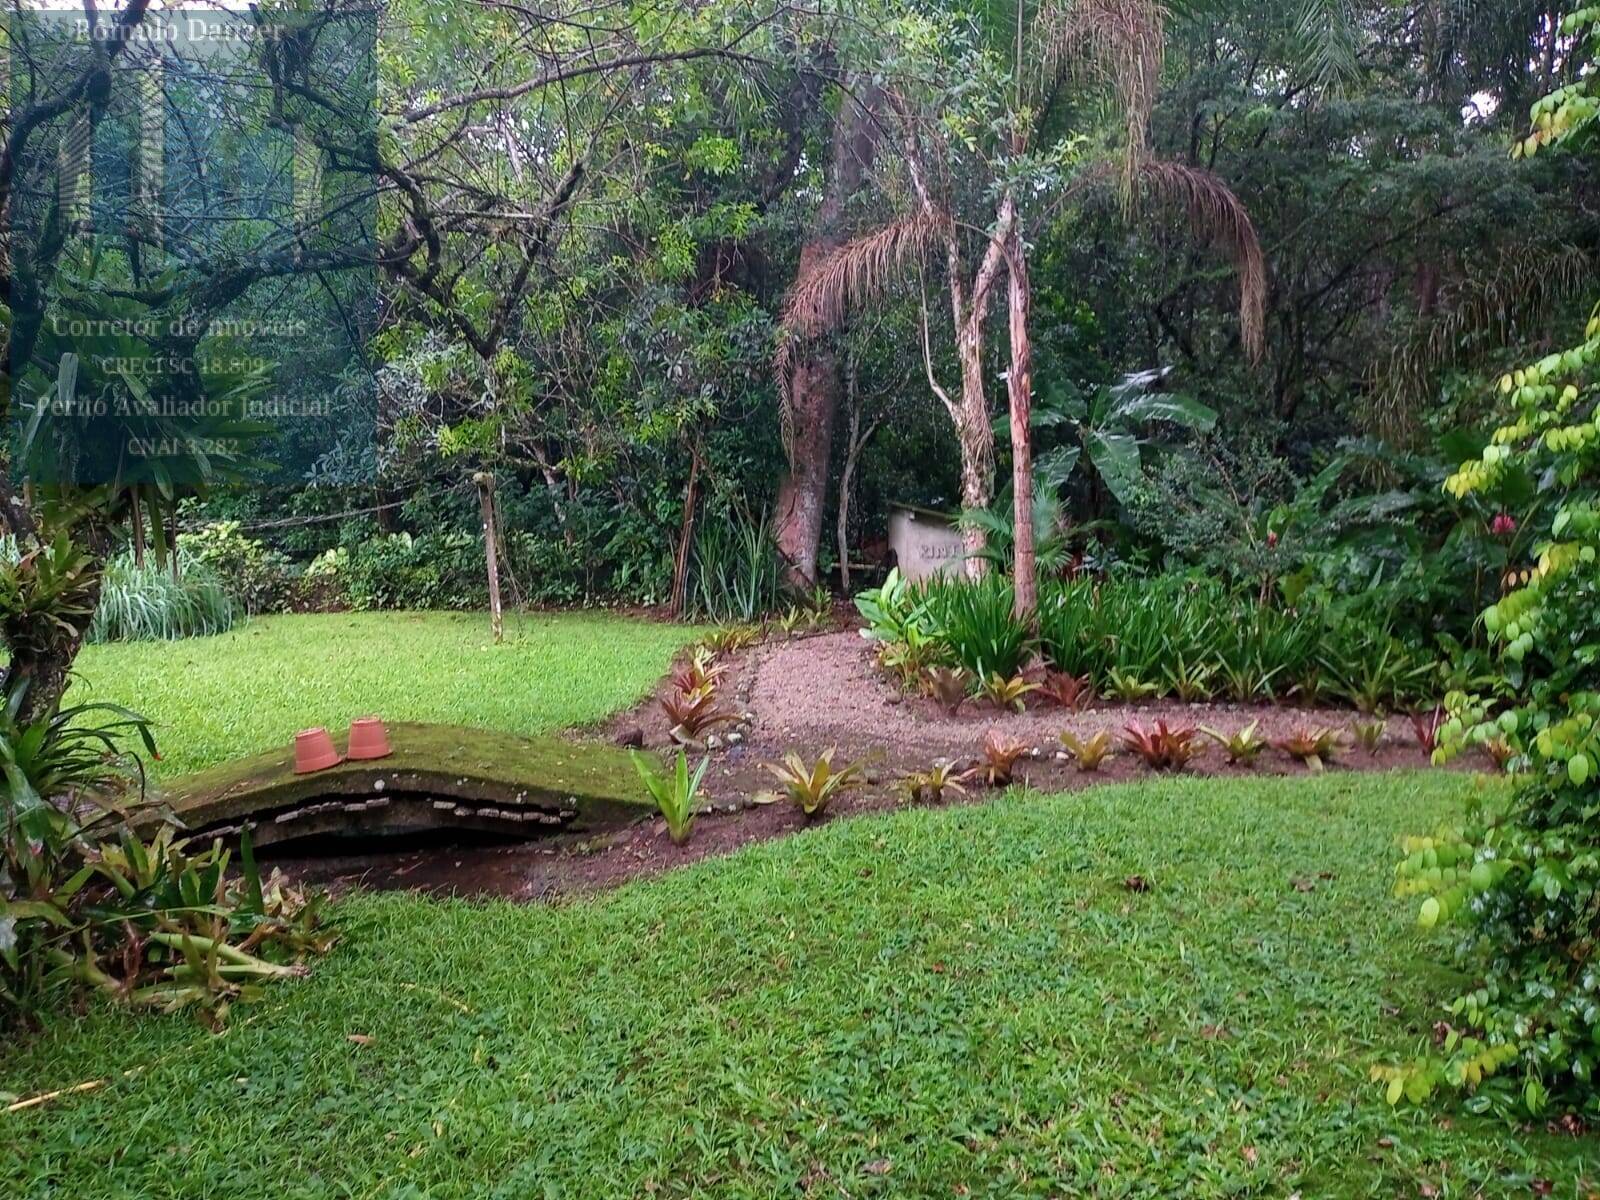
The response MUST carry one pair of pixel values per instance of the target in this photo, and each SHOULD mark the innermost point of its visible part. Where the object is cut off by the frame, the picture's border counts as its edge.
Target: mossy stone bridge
(438, 778)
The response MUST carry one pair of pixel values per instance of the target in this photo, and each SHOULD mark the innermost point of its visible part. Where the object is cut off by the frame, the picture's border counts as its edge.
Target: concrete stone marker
(925, 543)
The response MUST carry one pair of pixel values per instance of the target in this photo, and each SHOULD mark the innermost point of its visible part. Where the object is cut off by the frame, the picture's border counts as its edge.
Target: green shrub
(977, 624)
(433, 571)
(1522, 880)
(257, 578)
(85, 903)
(735, 574)
(1135, 638)
(147, 605)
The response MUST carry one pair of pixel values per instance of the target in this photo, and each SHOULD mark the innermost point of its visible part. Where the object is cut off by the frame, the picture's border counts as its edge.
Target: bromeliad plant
(730, 639)
(1000, 757)
(1008, 694)
(1129, 688)
(1370, 734)
(1426, 727)
(910, 659)
(701, 672)
(950, 686)
(691, 715)
(1163, 748)
(1089, 753)
(811, 788)
(932, 785)
(84, 903)
(676, 793)
(1071, 692)
(1243, 747)
(1314, 747)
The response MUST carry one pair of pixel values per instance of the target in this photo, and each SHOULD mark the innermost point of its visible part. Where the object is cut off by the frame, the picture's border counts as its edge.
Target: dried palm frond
(858, 271)
(1217, 215)
(1122, 44)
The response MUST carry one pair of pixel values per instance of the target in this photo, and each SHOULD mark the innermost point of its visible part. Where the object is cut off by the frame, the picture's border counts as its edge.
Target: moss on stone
(506, 769)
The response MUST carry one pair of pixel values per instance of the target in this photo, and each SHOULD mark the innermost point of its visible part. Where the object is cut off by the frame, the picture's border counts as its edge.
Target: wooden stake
(485, 483)
(172, 543)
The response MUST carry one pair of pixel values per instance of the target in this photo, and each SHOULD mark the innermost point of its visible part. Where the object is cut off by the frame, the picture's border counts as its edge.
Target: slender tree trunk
(814, 384)
(1020, 389)
(974, 427)
(802, 493)
(975, 434)
(854, 445)
(136, 522)
(491, 557)
(172, 546)
(680, 560)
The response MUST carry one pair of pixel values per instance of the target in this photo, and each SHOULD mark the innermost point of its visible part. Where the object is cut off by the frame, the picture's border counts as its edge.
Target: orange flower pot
(313, 751)
(369, 739)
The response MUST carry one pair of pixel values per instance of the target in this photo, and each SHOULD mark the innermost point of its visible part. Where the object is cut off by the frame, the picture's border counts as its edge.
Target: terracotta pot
(368, 739)
(313, 751)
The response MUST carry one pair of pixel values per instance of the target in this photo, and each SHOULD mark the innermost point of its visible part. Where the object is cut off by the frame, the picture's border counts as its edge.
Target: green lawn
(221, 697)
(957, 1002)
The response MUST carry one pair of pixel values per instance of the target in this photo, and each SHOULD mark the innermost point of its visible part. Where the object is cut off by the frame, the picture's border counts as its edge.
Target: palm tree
(1119, 44)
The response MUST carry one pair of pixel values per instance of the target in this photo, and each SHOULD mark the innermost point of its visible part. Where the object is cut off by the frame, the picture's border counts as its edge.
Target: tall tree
(811, 382)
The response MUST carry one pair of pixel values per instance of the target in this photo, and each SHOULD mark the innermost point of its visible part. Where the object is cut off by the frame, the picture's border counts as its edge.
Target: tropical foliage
(1521, 880)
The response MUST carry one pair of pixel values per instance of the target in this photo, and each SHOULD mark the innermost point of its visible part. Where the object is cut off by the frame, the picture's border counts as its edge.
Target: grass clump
(146, 604)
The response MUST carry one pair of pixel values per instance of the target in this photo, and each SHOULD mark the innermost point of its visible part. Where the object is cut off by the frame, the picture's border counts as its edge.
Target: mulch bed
(806, 695)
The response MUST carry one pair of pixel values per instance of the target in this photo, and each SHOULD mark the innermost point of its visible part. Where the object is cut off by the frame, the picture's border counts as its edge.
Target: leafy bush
(433, 571)
(1135, 639)
(1197, 639)
(256, 578)
(146, 924)
(1522, 879)
(147, 605)
(890, 610)
(976, 622)
(735, 573)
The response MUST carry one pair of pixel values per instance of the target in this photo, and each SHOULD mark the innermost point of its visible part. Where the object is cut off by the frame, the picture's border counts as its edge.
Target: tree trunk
(680, 561)
(491, 558)
(814, 378)
(974, 429)
(136, 523)
(1020, 389)
(172, 545)
(975, 434)
(855, 443)
(802, 493)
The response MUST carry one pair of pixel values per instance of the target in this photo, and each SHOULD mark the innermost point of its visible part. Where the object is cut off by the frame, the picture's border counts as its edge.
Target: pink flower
(1503, 525)
(1272, 539)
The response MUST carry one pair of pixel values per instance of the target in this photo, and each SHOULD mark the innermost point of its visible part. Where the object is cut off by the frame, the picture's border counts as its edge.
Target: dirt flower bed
(809, 694)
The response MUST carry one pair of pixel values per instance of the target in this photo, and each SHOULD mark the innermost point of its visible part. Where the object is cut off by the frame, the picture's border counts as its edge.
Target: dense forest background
(591, 216)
